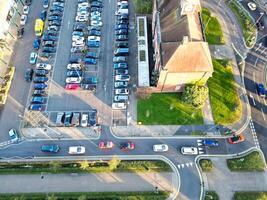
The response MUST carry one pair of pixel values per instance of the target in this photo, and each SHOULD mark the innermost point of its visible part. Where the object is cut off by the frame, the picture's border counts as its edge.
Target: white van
(160, 147)
(189, 150)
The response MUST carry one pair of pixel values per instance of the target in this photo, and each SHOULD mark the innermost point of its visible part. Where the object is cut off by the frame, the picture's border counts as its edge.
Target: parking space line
(262, 114)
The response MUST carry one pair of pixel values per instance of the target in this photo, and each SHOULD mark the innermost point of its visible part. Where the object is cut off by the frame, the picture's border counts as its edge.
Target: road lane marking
(251, 96)
(264, 102)
(262, 114)
(68, 24)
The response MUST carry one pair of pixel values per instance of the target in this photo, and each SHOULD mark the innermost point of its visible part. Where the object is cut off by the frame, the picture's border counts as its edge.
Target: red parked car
(235, 139)
(106, 145)
(72, 86)
(127, 146)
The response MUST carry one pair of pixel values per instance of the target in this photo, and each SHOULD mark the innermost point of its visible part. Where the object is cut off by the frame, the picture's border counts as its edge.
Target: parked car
(43, 15)
(121, 45)
(91, 87)
(53, 28)
(49, 37)
(121, 72)
(91, 55)
(94, 38)
(96, 23)
(77, 49)
(39, 93)
(209, 142)
(26, 10)
(94, 33)
(76, 150)
(93, 44)
(74, 66)
(68, 117)
(37, 100)
(56, 8)
(46, 3)
(119, 105)
(84, 119)
(96, 28)
(92, 117)
(189, 150)
(56, 13)
(75, 119)
(121, 26)
(261, 90)
(51, 148)
(235, 139)
(127, 146)
(122, 78)
(37, 107)
(40, 79)
(36, 43)
(20, 32)
(54, 23)
(120, 84)
(13, 135)
(33, 57)
(78, 33)
(121, 32)
(41, 72)
(89, 80)
(121, 37)
(74, 73)
(49, 49)
(60, 118)
(106, 145)
(160, 147)
(252, 6)
(49, 43)
(44, 56)
(72, 86)
(119, 59)
(73, 80)
(39, 86)
(121, 91)
(50, 33)
(89, 61)
(28, 2)
(120, 98)
(28, 75)
(23, 20)
(260, 25)
(121, 65)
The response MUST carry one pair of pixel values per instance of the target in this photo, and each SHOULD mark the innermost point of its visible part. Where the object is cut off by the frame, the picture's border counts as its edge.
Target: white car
(26, 10)
(189, 150)
(23, 19)
(119, 105)
(84, 4)
(252, 6)
(43, 66)
(74, 66)
(95, 13)
(33, 57)
(81, 18)
(80, 13)
(75, 49)
(122, 78)
(73, 80)
(121, 91)
(96, 23)
(78, 44)
(160, 147)
(13, 135)
(84, 120)
(94, 38)
(77, 38)
(77, 150)
(97, 18)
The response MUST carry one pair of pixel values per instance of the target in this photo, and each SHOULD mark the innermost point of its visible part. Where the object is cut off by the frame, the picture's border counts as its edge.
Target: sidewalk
(225, 182)
(98, 182)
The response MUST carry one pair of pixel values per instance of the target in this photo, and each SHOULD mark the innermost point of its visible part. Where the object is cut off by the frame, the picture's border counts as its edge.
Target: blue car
(46, 4)
(49, 37)
(89, 61)
(36, 43)
(51, 148)
(91, 55)
(121, 32)
(120, 66)
(40, 79)
(37, 107)
(39, 86)
(93, 44)
(51, 18)
(37, 100)
(43, 15)
(210, 143)
(261, 89)
(121, 26)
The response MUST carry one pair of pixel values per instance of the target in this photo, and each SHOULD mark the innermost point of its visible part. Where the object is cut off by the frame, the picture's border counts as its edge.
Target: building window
(142, 55)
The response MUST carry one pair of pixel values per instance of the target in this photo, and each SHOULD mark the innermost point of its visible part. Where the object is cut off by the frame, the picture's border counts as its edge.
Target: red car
(127, 146)
(72, 86)
(235, 139)
(106, 145)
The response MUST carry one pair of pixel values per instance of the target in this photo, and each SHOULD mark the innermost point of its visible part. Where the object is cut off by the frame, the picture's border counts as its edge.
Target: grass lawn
(77, 167)
(206, 165)
(167, 109)
(143, 6)
(247, 24)
(225, 102)
(88, 196)
(250, 195)
(211, 195)
(213, 31)
(250, 162)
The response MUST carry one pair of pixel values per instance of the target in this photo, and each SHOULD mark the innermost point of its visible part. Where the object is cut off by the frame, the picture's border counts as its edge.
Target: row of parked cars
(85, 43)
(77, 119)
(45, 41)
(121, 52)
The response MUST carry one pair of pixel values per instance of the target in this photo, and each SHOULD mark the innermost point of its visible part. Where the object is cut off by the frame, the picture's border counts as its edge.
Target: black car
(54, 23)
(49, 49)
(68, 117)
(28, 75)
(40, 79)
(91, 87)
(92, 117)
(95, 33)
(41, 72)
(122, 45)
(39, 93)
(20, 32)
(74, 73)
(260, 25)
(49, 43)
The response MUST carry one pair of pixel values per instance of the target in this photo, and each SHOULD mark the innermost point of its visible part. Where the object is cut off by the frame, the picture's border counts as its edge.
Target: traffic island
(211, 195)
(206, 165)
(6, 84)
(250, 195)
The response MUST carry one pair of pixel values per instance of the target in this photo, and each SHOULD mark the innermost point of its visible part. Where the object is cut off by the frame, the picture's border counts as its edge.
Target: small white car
(160, 147)
(84, 120)
(77, 38)
(94, 38)
(76, 150)
(189, 150)
(81, 18)
(252, 6)
(96, 23)
(121, 91)
(78, 44)
(84, 4)
(95, 13)
(43, 66)
(23, 19)
(74, 66)
(13, 135)
(26, 10)
(73, 80)
(33, 57)
(119, 105)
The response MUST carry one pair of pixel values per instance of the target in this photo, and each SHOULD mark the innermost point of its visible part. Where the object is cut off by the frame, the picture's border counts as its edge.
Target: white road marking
(262, 114)
(191, 164)
(251, 96)
(254, 77)
(178, 166)
(264, 102)
(182, 165)
(187, 164)
(68, 24)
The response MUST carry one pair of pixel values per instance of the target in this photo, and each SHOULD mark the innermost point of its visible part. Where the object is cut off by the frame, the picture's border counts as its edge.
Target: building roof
(190, 57)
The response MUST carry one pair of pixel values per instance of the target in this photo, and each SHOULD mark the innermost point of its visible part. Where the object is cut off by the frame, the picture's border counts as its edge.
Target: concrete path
(225, 182)
(97, 182)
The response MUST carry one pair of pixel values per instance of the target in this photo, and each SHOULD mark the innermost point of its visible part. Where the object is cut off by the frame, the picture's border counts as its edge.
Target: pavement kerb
(237, 155)
(176, 183)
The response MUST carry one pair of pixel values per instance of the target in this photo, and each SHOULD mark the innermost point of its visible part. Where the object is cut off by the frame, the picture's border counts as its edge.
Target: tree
(84, 164)
(82, 197)
(52, 197)
(55, 165)
(195, 95)
(114, 162)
